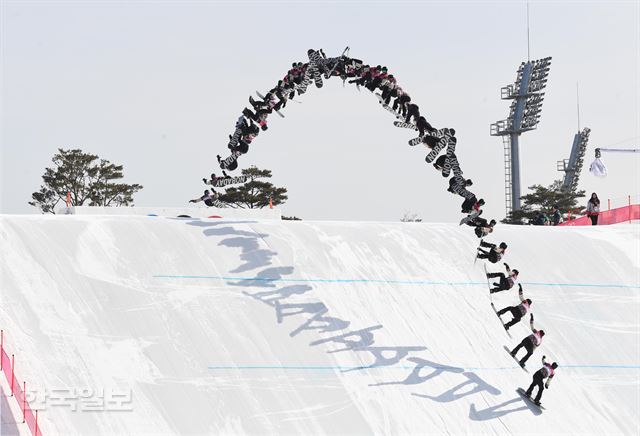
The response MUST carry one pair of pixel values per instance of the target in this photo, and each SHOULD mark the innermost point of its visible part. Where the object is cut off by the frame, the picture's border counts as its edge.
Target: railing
(630, 212)
(18, 391)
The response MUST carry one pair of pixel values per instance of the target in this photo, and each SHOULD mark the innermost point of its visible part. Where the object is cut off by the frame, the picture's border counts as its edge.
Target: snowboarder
(530, 343)
(440, 163)
(482, 227)
(516, 311)
(412, 111)
(494, 254)
(212, 181)
(209, 198)
(400, 103)
(455, 182)
(423, 125)
(547, 370)
(506, 282)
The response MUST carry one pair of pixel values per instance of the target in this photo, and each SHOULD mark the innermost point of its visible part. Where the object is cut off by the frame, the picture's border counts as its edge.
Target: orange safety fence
(18, 390)
(613, 216)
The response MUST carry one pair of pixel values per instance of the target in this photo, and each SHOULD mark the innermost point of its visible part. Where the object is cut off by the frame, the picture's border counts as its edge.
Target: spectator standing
(593, 209)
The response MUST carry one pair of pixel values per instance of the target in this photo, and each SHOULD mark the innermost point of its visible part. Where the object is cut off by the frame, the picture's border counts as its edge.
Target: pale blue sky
(157, 86)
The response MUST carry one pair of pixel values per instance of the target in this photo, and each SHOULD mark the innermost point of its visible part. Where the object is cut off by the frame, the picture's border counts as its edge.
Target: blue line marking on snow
(346, 368)
(390, 282)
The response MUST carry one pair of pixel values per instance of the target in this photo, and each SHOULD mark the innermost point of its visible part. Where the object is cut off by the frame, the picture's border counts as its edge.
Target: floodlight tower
(524, 115)
(572, 166)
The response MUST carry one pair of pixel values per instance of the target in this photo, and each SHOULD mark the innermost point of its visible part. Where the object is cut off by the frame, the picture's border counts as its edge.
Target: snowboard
(387, 107)
(237, 133)
(404, 125)
(473, 215)
(524, 395)
(314, 64)
(219, 204)
(427, 140)
(262, 97)
(515, 358)
(230, 163)
(443, 140)
(225, 181)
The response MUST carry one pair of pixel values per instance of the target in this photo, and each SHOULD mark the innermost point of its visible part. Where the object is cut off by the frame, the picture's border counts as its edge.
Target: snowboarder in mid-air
(530, 343)
(482, 227)
(516, 311)
(506, 282)
(212, 181)
(209, 198)
(494, 254)
(547, 370)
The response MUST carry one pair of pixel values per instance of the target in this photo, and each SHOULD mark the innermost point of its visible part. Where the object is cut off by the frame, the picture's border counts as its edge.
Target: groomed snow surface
(243, 327)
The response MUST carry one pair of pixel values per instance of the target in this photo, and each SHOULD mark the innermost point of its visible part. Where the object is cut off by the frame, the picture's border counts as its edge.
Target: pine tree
(255, 194)
(89, 179)
(543, 199)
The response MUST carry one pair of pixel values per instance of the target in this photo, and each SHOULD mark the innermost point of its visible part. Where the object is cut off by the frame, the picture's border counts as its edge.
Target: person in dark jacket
(530, 343)
(506, 281)
(516, 311)
(494, 254)
(593, 209)
(556, 217)
(547, 370)
(540, 219)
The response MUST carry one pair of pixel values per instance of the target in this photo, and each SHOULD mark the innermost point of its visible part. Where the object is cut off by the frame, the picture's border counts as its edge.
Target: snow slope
(229, 327)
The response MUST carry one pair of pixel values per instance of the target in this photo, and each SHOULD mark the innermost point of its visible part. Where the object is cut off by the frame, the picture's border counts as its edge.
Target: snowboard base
(524, 395)
(276, 111)
(515, 358)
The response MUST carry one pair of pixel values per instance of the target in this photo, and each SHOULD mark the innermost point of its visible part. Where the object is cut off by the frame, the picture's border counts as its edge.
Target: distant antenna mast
(528, 43)
(578, 104)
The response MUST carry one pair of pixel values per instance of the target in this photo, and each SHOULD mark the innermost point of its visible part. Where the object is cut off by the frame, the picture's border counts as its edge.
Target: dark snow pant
(412, 111)
(515, 312)
(387, 93)
(528, 345)
(423, 125)
(594, 220)
(538, 378)
(468, 203)
(491, 255)
(502, 286)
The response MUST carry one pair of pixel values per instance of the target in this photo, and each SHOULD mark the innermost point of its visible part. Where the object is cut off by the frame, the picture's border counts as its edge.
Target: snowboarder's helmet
(528, 301)
(516, 272)
(542, 333)
(503, 245)
(452, 132)
(481, 202)
(554, 365)
(492, 223)
(213, 176)
(206, 192)
(468, 182)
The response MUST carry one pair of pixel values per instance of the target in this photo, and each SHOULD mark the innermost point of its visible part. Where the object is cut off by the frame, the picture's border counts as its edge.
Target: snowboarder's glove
(520, 287)
(204, 180)
(506, 266)
(531, 317)
(546, 385)
(192, 201)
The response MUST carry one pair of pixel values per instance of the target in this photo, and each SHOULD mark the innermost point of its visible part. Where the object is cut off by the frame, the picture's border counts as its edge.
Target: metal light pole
(572, 166)
(524, 115)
